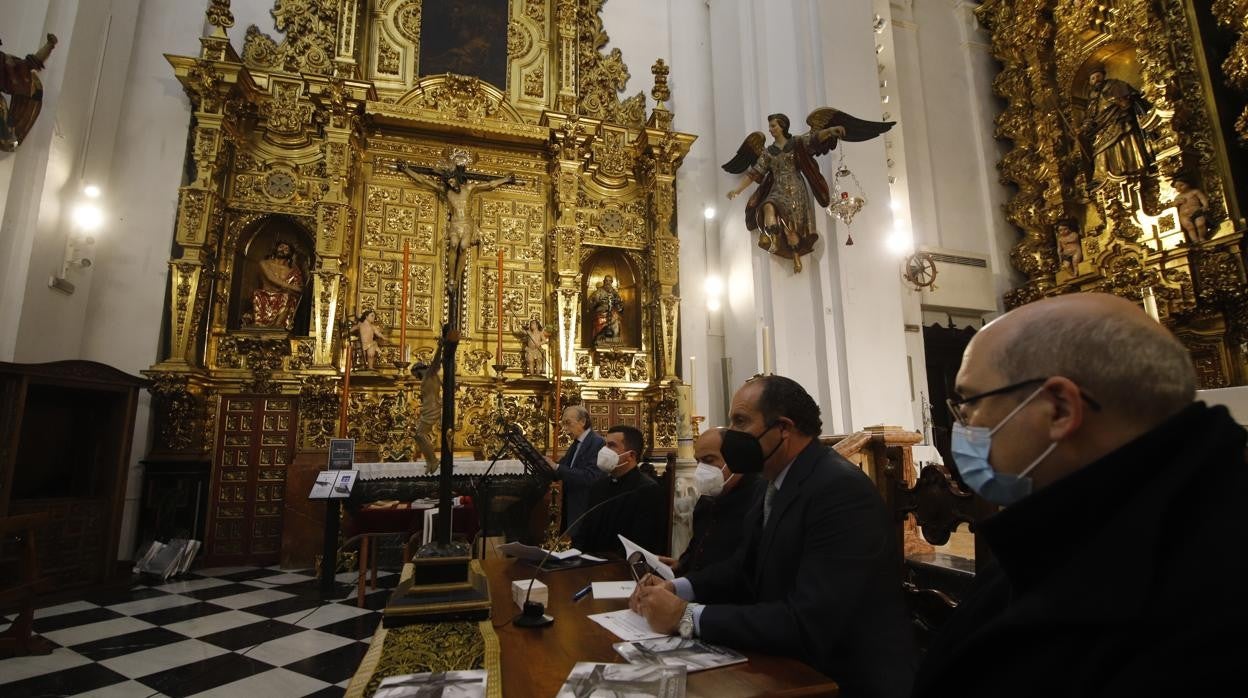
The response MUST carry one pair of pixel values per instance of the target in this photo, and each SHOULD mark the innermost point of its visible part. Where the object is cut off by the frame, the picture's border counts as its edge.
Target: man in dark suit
(579, 466)
(636, 510)
(818, 577)
(725, 497)
(1117, 567)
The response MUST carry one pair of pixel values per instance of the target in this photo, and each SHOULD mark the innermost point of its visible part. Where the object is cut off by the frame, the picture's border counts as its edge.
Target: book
(693, 654)
(596, 679)
(447, 684)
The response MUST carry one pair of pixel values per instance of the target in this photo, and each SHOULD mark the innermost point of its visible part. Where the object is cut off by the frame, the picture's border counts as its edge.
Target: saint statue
(273, 304)
(606, 309)
(19, 81)
(1111, 128)
(534, 338)
(456, 188)
(787, 174)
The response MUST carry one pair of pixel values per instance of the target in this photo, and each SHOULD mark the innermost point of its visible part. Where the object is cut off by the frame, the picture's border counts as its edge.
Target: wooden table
(535, 661)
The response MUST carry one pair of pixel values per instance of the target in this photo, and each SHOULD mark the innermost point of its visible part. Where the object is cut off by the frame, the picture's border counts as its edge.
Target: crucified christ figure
(456, 188)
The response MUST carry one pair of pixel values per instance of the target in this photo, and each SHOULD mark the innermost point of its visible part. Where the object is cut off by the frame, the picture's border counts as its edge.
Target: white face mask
(608, 460)
(708, 480)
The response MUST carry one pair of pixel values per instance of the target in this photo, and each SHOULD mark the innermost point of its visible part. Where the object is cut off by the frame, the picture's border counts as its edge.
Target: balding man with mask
(724, 498)
(1117, 570)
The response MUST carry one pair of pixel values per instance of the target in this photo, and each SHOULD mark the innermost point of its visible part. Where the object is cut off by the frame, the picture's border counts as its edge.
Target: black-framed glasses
(956, 405)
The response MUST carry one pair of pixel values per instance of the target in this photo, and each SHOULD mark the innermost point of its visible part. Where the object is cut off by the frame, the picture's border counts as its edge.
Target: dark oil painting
(466, 37)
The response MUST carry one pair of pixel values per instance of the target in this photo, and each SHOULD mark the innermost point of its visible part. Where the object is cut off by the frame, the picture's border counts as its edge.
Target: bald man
(1117, 566)
(724, 499)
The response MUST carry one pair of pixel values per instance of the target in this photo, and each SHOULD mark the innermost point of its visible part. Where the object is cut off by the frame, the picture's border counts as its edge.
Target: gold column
(565, 99)
(570, 149)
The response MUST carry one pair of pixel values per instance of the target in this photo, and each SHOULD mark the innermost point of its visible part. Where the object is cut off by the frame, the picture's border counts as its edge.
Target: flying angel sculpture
(787, 175)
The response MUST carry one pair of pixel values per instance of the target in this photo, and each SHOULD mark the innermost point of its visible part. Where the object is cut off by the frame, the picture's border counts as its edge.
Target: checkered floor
(239, 631)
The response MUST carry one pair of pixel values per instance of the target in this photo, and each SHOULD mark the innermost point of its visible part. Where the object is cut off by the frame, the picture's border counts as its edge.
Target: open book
(594, 679)
(693, 654)
(447, 684)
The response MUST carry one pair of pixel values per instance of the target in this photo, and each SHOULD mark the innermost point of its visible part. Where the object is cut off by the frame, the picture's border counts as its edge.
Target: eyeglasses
(956, 405)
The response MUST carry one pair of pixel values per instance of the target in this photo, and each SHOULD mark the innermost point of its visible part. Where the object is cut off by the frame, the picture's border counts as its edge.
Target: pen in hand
(582, 593)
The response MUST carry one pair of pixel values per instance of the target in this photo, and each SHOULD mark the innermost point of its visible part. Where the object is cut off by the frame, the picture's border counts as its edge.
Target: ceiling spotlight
(92, 191)
(709, 213)
(714, 286)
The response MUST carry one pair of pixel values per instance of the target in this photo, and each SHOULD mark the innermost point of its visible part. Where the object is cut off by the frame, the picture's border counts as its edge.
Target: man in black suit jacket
(636, 508)
(578, 468)
(719, 520)
(1117, 571)
(818, 577)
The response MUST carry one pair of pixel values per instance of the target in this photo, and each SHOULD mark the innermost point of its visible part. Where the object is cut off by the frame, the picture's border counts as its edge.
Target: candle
(403, 305)
(768, 366)
(1150, 304)
(499, 309)
(693, 394)
(346, 394)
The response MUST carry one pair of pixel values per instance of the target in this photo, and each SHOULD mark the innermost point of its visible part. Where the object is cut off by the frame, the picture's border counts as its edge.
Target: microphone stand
(533, 613)
(484, 506)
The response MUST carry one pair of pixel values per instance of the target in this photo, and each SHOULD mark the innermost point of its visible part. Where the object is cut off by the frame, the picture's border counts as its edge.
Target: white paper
(651, 559)
(592, 558)
(626, 625)
(567, 554)
(324, 483)
(614, 590)
(344, 480)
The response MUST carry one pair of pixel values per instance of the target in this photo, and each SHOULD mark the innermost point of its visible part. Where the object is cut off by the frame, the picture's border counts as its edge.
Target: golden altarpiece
(297, 143)
(1132, 181)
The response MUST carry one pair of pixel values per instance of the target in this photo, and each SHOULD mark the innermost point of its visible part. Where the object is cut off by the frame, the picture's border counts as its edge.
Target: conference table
(535, 661)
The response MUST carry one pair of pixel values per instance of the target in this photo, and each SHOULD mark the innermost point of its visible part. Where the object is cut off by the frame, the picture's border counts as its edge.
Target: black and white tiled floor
(238, 631)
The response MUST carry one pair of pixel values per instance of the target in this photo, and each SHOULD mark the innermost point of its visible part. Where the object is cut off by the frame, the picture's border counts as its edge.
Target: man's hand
(648, 580)
(660, 607)
(669, 561)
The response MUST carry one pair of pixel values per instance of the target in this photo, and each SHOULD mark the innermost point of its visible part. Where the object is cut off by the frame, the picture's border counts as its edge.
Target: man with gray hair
(1115, 571)
(578, 468)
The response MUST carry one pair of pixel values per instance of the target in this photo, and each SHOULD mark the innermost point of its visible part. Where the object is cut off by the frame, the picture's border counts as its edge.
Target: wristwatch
(686, 622)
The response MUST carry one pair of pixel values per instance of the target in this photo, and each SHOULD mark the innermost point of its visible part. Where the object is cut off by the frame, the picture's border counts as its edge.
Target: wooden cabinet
(65, 437)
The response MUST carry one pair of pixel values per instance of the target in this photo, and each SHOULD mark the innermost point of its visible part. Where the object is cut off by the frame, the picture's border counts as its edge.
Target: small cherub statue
(534, 337)
(1069, 247)
(1193, 209)
(370, 336)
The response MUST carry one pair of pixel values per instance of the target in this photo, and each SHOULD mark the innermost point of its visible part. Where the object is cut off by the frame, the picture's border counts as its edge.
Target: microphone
(534, 614)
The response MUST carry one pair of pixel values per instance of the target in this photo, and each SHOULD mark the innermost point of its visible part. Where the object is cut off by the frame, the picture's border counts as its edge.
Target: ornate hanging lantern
(847, 197)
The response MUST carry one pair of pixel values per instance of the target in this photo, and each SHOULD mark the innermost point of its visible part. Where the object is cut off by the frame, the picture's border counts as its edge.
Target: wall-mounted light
(87, 217)
(709, 213)
(714, 287)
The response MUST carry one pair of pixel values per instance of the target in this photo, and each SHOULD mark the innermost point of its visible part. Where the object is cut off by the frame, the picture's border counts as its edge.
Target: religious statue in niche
(19, 81)
(456, 187)
(1069, 246)
(787, 175)
(1193, 207)
(430, 406)
(534, 338)
(276, 297)
(1111, 130)
(606, 311)
(370, 336)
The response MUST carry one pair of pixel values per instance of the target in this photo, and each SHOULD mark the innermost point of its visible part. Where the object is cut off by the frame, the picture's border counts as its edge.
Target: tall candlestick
(1150, 304)
(499, 308)
(403, 305)
(346, 395)
(768, 366)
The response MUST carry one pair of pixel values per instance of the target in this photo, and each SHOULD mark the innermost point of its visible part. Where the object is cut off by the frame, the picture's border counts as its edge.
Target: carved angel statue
(787, 174)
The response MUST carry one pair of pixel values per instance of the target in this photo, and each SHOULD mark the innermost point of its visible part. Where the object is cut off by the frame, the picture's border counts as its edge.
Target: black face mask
(743, 452)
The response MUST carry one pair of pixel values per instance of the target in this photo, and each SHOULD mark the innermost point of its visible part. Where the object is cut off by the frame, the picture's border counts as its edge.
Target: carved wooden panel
(608, 413)
(255, 444)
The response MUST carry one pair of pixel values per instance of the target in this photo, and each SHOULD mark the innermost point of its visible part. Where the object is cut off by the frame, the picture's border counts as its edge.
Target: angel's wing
(856, 129)
(747, 154)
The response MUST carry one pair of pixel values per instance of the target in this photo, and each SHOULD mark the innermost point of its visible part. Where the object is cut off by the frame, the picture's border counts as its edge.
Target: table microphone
(534, 614)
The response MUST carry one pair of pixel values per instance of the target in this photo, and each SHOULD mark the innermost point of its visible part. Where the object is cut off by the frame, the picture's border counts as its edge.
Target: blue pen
(582, 593)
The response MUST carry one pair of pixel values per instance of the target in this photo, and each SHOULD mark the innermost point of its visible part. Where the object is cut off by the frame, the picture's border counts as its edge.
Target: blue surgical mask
(971, 446)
